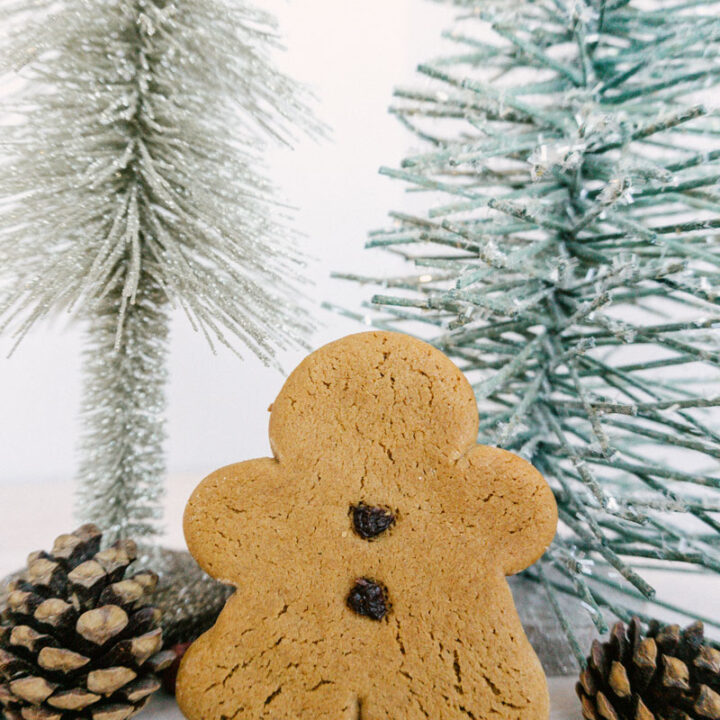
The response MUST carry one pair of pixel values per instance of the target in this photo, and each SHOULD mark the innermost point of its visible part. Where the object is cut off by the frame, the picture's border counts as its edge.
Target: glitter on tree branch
(564, 232)
(132, 183)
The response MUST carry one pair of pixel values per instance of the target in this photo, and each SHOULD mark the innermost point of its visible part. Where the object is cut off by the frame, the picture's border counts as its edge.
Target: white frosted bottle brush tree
(131, 183)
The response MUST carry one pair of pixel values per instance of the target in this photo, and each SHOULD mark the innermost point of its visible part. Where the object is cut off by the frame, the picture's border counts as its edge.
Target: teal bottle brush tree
(564, 239)
(131, 184)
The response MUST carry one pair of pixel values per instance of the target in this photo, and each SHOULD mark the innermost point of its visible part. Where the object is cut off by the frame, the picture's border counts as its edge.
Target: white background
(351, 54)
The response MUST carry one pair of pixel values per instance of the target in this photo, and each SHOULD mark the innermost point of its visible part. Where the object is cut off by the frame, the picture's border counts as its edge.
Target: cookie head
(370, 552)
(379, 397)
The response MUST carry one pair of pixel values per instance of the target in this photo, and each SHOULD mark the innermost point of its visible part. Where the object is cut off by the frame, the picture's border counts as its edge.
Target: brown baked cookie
(370, 553)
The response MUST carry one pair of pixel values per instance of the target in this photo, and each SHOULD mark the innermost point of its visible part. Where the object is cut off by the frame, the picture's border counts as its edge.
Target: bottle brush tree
(131, 183)
(564, 235)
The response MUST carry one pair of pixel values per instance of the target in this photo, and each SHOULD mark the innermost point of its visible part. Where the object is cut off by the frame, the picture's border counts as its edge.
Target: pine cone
(668, 674)
(76, 640)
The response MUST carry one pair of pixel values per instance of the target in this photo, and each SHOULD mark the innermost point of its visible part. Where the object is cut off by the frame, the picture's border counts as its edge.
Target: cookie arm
(516, 505)
(221, 523)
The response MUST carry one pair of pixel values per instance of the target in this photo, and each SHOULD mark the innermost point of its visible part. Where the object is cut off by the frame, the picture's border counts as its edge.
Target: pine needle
(565, 147)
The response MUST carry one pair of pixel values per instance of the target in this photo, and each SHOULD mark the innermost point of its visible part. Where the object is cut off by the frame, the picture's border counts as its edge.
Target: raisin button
(368, 598)
(369, 522)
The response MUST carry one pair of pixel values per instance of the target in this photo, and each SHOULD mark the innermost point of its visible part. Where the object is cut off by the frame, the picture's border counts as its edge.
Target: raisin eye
(369, 522)
(368, 598)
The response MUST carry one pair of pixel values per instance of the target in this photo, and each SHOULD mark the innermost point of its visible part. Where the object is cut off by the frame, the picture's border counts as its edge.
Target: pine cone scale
(28, 638)
(675, 673)
(75, 548)
(115, 712)
(74, 699)
(76, 640)
(707, 662)
(644, 663)
(605, 709)
(102, 624)
(141, 689)
(707, 704)
(109, 680)
(641, 711)
(39, 713)
(58, 660)
(87, 579)
(619, 681)
(668, 674)
(33, 689)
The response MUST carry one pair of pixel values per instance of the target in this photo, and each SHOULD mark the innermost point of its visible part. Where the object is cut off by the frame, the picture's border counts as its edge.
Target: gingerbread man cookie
(370, 553)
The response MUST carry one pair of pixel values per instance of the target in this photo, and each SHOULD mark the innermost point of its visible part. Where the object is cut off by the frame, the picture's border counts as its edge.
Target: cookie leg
(260, 662)
(496, 666)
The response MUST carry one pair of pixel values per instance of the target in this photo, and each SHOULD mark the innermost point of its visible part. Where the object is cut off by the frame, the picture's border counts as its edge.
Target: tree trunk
(122, 465)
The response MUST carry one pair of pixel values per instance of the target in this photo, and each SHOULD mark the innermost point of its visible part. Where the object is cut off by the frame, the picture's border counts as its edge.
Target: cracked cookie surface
(375, 420)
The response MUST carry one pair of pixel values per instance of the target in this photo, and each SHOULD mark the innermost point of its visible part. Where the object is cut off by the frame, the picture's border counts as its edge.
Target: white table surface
(33, 514)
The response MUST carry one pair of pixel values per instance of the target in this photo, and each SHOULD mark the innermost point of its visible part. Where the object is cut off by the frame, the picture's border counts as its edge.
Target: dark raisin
(368, 598)
(369, 522)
